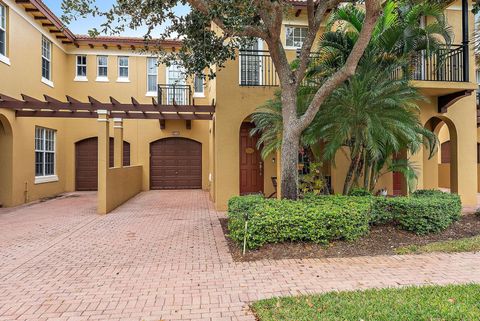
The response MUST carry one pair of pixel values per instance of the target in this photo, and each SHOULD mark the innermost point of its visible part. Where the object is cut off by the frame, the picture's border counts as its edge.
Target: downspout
(465, 42)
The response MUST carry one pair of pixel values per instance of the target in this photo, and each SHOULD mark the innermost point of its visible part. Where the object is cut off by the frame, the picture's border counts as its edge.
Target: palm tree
(374, 117)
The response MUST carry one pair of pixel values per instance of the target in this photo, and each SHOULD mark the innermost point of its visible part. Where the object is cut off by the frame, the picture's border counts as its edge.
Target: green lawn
(430, 303)
(463, 245)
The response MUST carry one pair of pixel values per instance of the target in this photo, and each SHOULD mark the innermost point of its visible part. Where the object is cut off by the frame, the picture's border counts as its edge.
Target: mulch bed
(382, 240)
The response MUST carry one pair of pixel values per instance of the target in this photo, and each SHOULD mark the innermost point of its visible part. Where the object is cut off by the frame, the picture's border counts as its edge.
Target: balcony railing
(257, 68)
(444, 65)
(174, 94)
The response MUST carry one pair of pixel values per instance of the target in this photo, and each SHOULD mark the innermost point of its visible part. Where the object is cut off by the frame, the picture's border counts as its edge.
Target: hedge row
(322, 219)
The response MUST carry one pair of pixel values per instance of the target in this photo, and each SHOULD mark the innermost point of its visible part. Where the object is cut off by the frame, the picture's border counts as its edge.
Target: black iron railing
(257, 68)
(174, 94)
(445, 64)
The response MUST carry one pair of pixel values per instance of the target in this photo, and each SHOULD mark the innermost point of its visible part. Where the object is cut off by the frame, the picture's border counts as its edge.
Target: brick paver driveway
(162, 256)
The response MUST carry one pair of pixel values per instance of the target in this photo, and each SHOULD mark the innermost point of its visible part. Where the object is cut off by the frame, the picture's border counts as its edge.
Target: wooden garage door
(175, 163)
(86, 162)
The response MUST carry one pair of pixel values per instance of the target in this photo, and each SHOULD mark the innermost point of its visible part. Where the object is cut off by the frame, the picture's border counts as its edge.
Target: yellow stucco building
(72, 105)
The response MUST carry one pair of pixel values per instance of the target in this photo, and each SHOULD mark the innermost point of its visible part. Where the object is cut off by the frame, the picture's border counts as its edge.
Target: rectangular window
(123, 67)
(102, 63)
(46, 59)
(44, 152)
(251, 65)
(81, 66)
(152, 73)
(3, 30)
(295, 36)
(198, 85)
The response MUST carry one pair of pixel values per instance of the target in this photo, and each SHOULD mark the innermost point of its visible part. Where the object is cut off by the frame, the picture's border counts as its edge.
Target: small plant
(313, 182)
(477, 212)
(359, 192)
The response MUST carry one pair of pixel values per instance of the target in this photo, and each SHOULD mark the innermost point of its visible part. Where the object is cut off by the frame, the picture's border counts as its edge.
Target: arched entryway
(441, 171)
(6, 143)
(175, 163)
(86, 162)
(251, 162)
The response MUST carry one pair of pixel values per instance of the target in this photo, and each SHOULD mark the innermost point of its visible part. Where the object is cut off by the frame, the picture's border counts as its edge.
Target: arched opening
(6, 156)
(441, 171)
(175, 163)
(251, 163)
(86, 162)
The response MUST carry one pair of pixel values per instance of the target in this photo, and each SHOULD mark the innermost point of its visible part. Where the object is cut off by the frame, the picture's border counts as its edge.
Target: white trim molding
(46, 179)
(102, 79)
(48, 82)
(5, 60)
(80, 78)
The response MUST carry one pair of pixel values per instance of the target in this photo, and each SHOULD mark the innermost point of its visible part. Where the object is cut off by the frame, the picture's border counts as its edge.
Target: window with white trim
(3, 30)
(152, 75)
(198, 85)
(46, 59)
(123, 67)
(295, 36)
(44, 152)
(102, 65)
(82, 66)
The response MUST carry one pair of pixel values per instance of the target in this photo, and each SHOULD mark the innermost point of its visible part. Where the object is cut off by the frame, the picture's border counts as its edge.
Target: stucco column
(118, 142)
(103, 159)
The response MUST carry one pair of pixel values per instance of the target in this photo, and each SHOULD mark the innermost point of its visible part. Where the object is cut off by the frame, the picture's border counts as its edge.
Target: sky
(82, 26)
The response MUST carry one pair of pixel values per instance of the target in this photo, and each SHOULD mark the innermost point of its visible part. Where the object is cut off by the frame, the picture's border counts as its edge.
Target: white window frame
(48, 59)
(101, 78)
(195, 92)
(4, 28)
(43, 178)
(293, 40)
(149, 92)
(77, 65)
(123, 78)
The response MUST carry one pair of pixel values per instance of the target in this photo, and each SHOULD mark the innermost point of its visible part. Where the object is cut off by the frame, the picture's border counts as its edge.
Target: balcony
(446, 65)
(174, 95)
(257, 69)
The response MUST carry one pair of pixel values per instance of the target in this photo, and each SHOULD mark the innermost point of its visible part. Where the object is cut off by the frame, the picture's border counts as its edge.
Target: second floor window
(81, 66)
(102, 64)
(46, 59)
(44, 152)
(152, 74)
(123, 67)
(295, 36)
(198, 85)
(3, 30)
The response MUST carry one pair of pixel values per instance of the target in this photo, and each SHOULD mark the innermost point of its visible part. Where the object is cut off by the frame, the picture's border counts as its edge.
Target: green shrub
(421, 213)
(320, 220)
(360, 192)
(477, 212)
(429, 193)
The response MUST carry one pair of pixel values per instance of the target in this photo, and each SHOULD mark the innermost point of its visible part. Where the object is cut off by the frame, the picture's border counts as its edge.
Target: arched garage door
(86, 162)
(175, 163)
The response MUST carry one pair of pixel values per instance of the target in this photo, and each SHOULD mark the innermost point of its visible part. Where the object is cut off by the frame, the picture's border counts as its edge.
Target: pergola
(72, 108)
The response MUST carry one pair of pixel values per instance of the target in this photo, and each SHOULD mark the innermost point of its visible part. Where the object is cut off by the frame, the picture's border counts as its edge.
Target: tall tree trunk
(290, 147)
(351, 170)
(359, 169)
(366, 176)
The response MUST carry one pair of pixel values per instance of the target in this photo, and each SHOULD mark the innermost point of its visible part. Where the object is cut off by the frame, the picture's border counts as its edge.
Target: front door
(251, 163)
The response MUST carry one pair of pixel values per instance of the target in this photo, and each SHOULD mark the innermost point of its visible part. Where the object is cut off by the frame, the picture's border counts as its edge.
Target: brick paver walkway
(162, 256)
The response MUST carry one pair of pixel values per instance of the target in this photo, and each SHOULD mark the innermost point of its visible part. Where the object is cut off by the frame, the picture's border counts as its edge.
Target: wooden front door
(251, 163)
(175, 163)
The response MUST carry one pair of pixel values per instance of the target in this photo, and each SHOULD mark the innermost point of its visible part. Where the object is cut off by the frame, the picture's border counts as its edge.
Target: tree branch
(373, 8)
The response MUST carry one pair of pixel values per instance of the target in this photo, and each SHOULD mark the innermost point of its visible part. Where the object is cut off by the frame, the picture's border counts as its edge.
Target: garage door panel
(86, 162)
(175, 163)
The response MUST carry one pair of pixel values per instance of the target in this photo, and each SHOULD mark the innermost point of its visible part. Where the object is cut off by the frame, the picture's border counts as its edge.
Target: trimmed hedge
(322, 219)
(426, 211)
(319, 219)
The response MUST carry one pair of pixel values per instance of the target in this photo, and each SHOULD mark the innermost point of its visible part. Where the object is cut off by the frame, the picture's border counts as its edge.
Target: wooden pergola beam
(73, 108)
